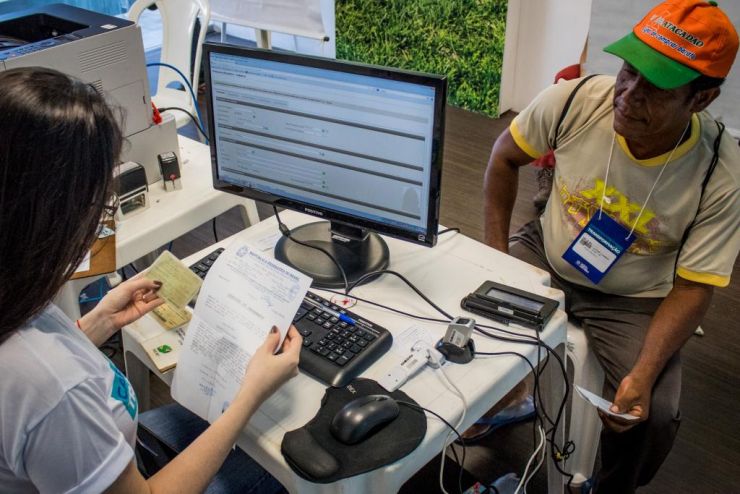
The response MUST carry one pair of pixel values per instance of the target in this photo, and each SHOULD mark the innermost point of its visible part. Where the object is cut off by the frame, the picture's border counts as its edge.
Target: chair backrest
(296, 17)
(178, 28)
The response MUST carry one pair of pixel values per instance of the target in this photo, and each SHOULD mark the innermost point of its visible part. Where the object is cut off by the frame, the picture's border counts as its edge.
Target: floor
(706, 457)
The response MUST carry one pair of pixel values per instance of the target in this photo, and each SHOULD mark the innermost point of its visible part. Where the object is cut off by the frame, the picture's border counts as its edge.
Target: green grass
(462, 39)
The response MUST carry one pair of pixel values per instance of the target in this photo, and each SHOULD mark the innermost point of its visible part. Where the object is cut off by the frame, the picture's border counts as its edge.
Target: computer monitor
(357, 145)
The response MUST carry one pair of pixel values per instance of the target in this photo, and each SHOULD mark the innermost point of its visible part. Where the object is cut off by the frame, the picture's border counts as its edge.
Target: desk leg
(554, 387)
(138, 376)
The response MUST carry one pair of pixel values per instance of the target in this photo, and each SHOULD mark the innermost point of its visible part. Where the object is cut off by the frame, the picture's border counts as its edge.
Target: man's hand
(121, 306)
(673, 323)
(633, 397)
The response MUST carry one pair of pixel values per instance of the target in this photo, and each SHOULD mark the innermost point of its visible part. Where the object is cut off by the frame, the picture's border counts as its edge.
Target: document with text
(244, 295)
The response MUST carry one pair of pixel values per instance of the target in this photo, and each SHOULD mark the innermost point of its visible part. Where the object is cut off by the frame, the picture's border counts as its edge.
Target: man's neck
(652, 146)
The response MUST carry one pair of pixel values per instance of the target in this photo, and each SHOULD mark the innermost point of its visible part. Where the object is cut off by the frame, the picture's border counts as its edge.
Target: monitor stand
(357, 250)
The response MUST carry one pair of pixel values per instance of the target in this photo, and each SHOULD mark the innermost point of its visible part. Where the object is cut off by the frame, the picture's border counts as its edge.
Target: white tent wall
(542, 37)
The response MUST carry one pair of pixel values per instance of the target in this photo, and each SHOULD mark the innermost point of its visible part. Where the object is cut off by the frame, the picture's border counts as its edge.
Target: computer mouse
(363, 417)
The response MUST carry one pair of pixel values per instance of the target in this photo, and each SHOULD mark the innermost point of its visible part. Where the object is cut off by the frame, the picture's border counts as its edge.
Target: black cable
(286, 232)
(215, 235)
(459, 437)
(388, 308)
(460, 464)
(457, 230)
(558, 454)
(192, 117)
(411, 285)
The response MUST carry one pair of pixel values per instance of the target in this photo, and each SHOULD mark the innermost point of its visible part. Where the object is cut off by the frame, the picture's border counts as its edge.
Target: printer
(104, 51)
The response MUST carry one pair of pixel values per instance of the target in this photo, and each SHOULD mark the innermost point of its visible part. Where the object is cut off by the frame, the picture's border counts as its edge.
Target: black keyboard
(201, 267)
(334, 351)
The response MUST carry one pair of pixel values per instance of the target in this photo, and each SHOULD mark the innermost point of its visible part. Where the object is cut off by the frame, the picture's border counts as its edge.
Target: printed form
(243, 296)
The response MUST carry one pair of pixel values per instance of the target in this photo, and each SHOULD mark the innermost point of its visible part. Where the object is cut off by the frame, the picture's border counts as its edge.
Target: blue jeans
(177, 427)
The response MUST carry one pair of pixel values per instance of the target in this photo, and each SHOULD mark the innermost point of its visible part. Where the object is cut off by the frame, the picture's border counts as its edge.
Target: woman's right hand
(266, 371)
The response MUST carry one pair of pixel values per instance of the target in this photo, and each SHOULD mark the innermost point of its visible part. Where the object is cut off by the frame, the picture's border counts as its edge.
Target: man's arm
(672, 325)
(499, 189)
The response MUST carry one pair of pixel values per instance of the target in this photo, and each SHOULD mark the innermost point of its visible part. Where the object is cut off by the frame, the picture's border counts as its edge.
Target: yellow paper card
(170, 317)
(179, 284)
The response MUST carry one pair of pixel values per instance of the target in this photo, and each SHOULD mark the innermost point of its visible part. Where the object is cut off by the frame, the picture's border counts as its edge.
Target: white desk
(445, 273)
(169, 215)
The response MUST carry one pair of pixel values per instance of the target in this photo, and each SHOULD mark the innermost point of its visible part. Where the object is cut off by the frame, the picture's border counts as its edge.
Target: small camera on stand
(457, 345)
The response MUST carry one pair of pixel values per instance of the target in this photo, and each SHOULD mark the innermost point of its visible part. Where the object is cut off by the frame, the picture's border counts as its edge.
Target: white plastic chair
(294, 17)
(585, 424)
(178, 29)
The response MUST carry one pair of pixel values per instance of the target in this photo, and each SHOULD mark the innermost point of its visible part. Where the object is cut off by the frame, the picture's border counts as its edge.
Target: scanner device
(363, 417)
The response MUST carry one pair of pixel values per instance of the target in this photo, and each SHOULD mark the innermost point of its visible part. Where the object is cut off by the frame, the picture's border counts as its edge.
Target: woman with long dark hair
(68, 417)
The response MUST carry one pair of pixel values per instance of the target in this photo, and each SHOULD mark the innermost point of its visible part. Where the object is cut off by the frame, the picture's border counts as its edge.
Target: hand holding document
(602, 404)
(243, 297)
(179, 286)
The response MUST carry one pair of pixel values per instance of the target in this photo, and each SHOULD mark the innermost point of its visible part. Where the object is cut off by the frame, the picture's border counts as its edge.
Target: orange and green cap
(678, 41)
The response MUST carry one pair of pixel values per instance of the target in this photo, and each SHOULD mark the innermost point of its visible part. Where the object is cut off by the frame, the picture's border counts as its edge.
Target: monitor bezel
(439, 83)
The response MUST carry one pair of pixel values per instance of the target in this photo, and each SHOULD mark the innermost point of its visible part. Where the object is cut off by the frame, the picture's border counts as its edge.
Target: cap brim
(657, 68)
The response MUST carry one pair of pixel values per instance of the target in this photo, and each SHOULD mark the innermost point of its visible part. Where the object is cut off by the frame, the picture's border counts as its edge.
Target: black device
(510, 305)
(357, 145)
(457, 345)
(170, 169)
(334, 351)
(363, 417)
(131, 187)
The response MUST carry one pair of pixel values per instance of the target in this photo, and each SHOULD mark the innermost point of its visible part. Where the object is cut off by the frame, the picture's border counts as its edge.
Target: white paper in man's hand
(602, 404)
(244, 295)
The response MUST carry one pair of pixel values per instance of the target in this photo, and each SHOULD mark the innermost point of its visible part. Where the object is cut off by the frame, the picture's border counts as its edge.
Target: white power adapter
(421, 354)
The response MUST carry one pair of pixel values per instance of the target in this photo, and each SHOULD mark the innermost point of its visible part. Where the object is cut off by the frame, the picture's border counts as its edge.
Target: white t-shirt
(67, 416)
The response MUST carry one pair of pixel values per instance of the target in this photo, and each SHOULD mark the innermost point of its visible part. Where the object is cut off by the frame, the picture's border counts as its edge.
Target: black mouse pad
(314, 454)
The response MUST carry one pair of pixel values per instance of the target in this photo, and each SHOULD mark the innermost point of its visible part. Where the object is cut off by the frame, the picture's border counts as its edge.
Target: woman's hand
(266, 371)
(121, 306)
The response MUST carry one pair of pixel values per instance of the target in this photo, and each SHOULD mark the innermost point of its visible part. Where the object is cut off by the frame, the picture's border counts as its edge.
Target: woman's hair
(59, 143)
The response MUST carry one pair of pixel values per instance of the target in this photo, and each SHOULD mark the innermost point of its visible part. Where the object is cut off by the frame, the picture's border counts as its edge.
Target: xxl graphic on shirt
(581, 200)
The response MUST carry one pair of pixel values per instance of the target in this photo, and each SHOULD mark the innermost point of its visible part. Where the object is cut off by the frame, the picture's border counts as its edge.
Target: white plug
(435, 359)
(401, 373)
(422, 353)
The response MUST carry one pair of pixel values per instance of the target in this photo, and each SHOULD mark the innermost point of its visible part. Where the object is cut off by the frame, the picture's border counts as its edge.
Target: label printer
(104, 51)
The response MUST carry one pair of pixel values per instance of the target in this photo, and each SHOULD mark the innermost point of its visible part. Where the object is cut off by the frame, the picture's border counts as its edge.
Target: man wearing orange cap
(643, 220)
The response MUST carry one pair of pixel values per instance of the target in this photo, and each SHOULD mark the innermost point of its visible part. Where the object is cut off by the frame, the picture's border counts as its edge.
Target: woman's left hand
(121, 306)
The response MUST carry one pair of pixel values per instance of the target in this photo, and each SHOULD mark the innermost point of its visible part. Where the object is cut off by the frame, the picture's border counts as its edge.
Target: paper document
(602, 404)
(403, 343)
(179, 284)
(84, 264)
(164, 350)
(243, 297)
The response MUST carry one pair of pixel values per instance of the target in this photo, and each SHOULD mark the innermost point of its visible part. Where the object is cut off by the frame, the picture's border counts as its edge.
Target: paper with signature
(602, 404)
(243, 296)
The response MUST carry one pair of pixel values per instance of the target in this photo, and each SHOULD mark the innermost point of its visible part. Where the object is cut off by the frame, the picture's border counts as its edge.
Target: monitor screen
(357, 145)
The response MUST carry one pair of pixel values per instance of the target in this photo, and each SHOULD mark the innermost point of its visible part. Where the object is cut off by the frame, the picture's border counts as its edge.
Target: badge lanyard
(603, 241)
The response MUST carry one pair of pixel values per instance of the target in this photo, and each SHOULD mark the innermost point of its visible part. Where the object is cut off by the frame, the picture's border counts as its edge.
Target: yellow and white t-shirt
(583, 147)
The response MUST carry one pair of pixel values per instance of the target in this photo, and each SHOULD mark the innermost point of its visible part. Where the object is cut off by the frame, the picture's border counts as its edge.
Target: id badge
(598, 247)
